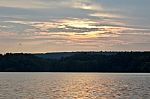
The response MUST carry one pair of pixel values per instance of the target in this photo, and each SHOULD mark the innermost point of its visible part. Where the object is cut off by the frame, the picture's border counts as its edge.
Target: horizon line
(68, 52)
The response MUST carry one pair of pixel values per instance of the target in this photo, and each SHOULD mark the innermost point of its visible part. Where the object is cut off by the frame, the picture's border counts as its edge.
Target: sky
(74, 25)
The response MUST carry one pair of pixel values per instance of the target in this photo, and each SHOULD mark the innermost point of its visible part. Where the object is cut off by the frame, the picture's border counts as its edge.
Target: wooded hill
(76, 62)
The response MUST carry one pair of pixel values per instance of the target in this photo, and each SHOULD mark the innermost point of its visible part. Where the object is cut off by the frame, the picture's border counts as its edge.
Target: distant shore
(106, 62)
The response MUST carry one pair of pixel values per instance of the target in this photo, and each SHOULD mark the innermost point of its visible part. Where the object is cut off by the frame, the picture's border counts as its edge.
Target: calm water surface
(74, 86)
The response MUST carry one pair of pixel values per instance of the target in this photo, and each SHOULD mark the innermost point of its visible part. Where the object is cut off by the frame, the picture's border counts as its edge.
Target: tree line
(78, 62)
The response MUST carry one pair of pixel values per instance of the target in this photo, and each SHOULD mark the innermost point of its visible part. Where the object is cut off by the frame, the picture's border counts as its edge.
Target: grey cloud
(15, 27)
(72, 29)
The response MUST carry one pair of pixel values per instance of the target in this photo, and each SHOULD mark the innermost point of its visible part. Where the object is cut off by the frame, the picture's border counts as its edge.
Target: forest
(133, 62)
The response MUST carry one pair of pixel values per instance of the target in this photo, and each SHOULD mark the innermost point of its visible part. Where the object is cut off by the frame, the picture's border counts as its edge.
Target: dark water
(74, 86)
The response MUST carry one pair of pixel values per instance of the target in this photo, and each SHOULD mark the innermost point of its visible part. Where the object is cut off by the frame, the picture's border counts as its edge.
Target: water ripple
(73, 86)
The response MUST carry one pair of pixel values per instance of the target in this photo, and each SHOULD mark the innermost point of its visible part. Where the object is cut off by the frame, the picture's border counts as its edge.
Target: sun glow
(92, 31)
(80, 23)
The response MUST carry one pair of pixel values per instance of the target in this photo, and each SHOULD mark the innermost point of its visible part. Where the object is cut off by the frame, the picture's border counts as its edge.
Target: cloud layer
(73, 25)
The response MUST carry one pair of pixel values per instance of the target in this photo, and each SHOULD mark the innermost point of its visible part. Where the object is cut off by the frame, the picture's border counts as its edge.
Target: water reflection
(74, 86)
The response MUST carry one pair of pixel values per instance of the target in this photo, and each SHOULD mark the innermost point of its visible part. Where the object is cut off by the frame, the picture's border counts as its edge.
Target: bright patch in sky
(74, 25)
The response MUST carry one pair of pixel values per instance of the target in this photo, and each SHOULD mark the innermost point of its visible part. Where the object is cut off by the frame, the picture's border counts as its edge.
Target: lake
(74, 86)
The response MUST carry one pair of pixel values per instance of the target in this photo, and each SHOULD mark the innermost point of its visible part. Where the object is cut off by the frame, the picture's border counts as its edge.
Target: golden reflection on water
(74, 86)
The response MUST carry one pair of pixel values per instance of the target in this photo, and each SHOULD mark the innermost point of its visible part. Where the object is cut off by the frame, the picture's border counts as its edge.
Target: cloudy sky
(74, 25)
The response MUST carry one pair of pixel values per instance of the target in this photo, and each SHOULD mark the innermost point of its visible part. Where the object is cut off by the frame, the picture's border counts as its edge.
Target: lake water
(74, 86)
